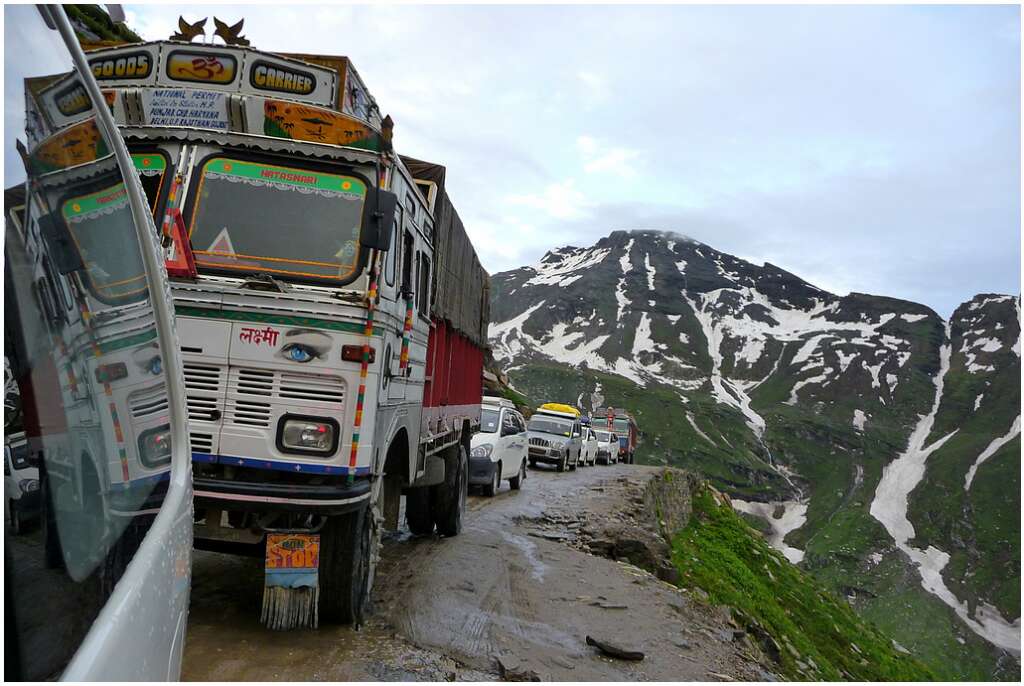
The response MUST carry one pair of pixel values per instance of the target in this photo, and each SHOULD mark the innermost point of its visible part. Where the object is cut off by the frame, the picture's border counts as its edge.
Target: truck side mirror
(378, 217)
(59, 244)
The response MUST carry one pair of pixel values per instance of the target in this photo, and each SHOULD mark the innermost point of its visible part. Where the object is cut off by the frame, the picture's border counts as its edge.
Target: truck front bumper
(331, 498)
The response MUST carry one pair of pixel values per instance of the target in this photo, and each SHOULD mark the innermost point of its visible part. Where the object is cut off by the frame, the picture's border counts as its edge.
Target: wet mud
(505, 599)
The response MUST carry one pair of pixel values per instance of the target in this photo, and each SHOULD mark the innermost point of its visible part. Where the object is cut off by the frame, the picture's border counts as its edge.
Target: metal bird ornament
(230, 33)
(186, 32)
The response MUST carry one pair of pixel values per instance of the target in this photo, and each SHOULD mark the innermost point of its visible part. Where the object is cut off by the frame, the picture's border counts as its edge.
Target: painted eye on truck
(298, 352)
(305, 345)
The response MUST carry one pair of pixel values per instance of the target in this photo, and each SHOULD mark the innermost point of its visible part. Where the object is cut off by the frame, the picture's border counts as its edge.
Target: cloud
(559, 200)
(599, 158)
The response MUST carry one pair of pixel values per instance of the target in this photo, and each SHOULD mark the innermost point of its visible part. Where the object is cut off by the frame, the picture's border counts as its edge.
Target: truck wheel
(417, 511)
(516, 482)
(345, 566)
(449, 498)
(492, 488)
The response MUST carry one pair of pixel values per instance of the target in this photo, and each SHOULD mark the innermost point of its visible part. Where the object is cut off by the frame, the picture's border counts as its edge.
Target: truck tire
(449, 498)
(491, 489)
(516, 482)
(346, 546)
(417, 511)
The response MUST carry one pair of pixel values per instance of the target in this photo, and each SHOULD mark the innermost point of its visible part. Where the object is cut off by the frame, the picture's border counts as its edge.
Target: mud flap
(291, 586)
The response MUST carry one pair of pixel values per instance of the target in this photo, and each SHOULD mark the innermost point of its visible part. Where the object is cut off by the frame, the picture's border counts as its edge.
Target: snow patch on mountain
(792, 515)
(859, 420)
(991, 450)
(565, 268)
(689, 418)
(890, 507)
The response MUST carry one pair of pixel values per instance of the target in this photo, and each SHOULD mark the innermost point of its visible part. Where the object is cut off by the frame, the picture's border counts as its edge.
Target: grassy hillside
(818, 636)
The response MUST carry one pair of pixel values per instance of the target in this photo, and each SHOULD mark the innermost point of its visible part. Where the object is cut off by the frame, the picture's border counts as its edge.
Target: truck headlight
(28, 485)
(308, 435)
(155, 447)
(482, 450)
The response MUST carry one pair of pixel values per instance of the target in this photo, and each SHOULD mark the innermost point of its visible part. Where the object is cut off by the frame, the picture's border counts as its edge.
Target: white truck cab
(498, 452)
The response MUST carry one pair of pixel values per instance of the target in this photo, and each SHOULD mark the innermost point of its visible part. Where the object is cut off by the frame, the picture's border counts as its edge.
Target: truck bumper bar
(242, 495)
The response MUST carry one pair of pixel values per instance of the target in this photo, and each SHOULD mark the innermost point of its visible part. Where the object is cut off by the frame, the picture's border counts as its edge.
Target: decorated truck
(331, 309)
(624, 426)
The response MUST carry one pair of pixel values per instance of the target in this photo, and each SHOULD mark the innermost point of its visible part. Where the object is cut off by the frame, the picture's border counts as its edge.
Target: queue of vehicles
(556, 434)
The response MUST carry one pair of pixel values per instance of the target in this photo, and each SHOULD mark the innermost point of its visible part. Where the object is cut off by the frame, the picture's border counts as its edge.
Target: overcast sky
(871, 149)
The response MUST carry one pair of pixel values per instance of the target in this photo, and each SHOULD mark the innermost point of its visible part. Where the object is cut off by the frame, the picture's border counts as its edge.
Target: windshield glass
(622, 424)
(603, 436)
(291, 222)
(489, 421)
(550, 425)
(101, 224)
(151, 168)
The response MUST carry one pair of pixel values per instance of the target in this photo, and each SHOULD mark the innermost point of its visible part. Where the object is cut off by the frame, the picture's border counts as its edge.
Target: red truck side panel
(454, 368)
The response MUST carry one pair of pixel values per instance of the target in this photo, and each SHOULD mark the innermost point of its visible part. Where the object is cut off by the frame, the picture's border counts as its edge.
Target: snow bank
(899, 478)
(793, 516)
(991, 450)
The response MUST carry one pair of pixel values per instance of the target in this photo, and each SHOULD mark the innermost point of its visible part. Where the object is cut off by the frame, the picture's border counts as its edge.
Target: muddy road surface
(512, 597)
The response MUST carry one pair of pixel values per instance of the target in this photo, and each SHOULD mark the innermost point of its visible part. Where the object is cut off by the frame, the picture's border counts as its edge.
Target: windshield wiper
(262, 281)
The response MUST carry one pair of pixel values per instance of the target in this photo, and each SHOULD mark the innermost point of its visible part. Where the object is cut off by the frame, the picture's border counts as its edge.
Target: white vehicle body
(498, 451)
(607, 451)
(590, 443)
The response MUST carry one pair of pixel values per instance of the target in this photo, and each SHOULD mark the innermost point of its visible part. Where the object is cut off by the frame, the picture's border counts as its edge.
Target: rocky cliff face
(853, 430)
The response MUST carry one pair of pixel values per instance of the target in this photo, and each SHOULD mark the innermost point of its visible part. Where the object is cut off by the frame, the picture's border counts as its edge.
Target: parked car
(590, 444)
(21, 484)
(607, 447)
(498, 451)
(555, 436)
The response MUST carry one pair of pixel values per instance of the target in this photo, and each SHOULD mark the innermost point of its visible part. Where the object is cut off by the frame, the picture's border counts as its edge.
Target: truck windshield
(489, 421)
(293, 223)
(101, 224)
(621, 425)
(550, 425)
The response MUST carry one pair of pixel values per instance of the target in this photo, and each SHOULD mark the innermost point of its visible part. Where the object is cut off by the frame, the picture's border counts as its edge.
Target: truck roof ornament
(230, 34)
(187, 32)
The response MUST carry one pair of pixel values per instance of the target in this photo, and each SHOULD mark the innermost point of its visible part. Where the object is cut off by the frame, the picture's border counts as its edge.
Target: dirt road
(510, 596)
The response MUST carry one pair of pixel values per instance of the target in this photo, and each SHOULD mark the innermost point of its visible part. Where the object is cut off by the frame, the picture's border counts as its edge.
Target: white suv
(607, 447)
(590, 444)
(498, 451)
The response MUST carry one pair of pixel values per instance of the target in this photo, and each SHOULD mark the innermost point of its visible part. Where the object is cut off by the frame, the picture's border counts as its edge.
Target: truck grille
(202, 387)
(201, 442)
(147, 403)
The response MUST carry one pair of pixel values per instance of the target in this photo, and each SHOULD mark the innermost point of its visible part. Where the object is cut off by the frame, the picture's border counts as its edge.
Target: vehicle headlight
(155, 447)
(308, 435)
(482, 450)
(28, 485)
